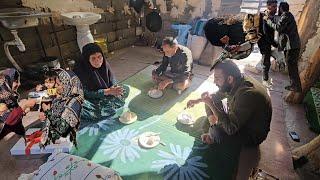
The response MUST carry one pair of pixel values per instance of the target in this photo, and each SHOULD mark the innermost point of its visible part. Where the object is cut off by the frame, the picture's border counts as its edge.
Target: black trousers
(292, 57)
(266, 63)
(18, 129)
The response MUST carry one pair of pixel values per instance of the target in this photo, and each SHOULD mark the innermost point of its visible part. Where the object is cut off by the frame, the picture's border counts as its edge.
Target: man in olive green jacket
(240, 111)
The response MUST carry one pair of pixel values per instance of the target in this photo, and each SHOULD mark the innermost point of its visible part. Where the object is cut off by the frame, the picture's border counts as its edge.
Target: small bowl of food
(128, 117)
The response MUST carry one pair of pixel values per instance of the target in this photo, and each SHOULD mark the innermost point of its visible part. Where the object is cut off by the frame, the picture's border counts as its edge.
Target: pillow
(65, 166)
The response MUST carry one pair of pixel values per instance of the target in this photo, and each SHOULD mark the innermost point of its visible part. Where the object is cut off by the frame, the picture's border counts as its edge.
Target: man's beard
(225, 87)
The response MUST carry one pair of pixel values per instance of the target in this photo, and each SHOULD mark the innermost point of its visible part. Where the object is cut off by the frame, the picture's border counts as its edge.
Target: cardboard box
(20, 149)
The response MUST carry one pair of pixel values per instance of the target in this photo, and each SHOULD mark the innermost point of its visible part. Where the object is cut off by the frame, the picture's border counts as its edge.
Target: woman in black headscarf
(102, 95)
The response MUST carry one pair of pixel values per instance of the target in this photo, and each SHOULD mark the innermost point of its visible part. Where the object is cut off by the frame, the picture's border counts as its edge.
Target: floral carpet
(180, 155)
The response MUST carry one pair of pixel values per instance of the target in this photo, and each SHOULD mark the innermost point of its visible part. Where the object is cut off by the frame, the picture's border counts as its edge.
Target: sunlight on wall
(162, 5)
(199, 8)
(56, 5)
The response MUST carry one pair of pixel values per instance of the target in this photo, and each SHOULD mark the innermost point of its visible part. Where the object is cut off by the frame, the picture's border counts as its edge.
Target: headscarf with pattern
(7, 95)
(66, 107)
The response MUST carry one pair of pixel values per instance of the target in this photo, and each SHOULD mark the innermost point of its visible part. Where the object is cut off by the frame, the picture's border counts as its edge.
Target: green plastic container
(312, 107)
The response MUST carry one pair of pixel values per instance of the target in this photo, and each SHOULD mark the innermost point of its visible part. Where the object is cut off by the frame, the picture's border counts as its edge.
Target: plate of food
(185, 118)
(34, 95)
(46, 99)
(155, 93)
(149, 140)
(128, 117)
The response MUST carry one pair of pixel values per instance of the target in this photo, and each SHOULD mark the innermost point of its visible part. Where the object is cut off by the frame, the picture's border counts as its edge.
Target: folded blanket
(66, 166)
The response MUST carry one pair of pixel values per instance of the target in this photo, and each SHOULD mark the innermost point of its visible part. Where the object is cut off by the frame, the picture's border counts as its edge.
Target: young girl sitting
(49, 84)
(62, 118)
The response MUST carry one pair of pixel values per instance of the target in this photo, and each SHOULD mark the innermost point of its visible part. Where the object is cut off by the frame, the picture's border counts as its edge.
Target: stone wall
(117, 27)
(309, 30)
(185, 11)
(296, 7)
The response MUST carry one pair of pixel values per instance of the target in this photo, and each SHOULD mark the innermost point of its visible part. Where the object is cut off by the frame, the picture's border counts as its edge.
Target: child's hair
(50, 75)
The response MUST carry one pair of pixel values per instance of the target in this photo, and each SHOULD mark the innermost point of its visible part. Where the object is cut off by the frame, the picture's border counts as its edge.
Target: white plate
(149, 140)
(126, 119)
(37, 95)
(155, 93)
(185, 118)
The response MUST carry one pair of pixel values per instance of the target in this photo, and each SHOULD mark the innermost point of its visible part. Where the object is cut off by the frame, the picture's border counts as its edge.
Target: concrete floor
(272, 156)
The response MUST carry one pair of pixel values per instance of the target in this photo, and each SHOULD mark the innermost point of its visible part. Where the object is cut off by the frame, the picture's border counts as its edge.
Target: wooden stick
(306, 149)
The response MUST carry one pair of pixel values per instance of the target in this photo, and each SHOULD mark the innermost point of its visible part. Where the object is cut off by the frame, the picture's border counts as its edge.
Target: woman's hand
(114, 91)
(27, 103)
(42, 116)
(3, 109)
(45, 107)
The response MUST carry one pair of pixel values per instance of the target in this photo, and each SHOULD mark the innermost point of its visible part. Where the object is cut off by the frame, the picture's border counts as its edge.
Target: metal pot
(37, 70)
(154, 21)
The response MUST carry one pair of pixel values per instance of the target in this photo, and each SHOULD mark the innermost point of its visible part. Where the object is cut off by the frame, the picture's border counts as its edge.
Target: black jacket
(181, 64)
(267, 36)
(288, 31)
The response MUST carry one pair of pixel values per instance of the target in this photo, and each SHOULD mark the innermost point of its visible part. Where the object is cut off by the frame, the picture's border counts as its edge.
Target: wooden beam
(308, 77)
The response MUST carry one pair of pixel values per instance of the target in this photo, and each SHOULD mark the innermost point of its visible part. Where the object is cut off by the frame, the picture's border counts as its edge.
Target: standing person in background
(289, 41)
(267, 40)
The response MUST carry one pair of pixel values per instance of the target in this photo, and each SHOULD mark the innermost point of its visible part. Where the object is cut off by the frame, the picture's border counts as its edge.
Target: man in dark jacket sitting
(179, 58)
(289, 41)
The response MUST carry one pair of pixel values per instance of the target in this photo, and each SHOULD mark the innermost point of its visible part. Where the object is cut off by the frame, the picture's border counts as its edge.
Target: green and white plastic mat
(181, 155)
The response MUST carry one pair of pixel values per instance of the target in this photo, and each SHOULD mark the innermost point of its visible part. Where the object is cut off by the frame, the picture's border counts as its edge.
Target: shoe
(267, 83)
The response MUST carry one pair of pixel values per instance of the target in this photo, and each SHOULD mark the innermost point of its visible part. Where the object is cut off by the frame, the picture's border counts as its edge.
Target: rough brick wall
(113, 27)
